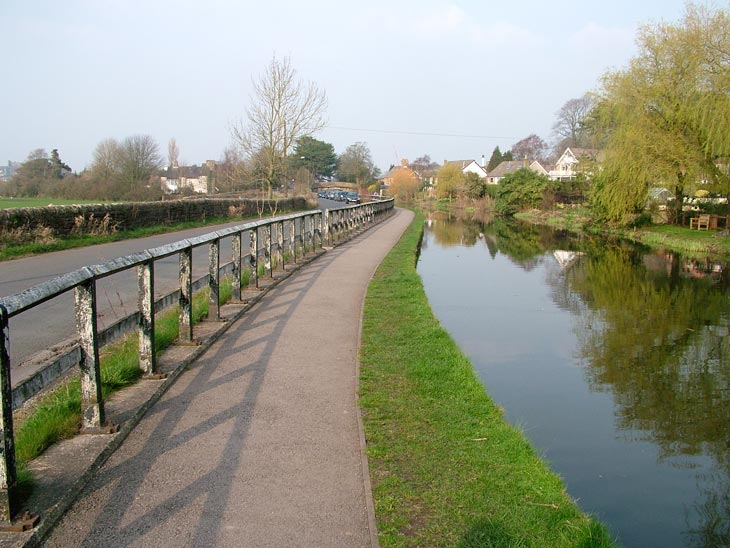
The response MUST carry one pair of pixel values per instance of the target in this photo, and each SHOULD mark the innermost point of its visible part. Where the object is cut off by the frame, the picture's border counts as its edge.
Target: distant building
(403, 170)
(6, 172)
(574, 161)
(510, 166)
(469, 166)
(176, 180)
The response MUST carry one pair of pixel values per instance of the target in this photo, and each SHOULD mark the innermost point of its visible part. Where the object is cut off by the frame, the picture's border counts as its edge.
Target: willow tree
(282, 110)
(660, 120)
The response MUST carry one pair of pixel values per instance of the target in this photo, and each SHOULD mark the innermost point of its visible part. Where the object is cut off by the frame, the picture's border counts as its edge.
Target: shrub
(523, 189)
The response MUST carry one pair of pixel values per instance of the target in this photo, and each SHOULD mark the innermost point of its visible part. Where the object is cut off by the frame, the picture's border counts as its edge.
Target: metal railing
(270, 241)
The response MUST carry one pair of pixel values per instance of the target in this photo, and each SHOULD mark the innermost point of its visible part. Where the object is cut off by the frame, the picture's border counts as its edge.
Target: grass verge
(446, 468)
(57, 415)
(681, 239)
(16, 251)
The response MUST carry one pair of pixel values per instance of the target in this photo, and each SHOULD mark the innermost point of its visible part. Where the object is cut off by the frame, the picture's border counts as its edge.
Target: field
(8, 203)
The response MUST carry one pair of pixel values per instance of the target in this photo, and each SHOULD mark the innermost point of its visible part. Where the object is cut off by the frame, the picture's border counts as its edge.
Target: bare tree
(530, 148)
(282, 110)
(106, 159)
(139, 159)
(172, 153)
(570, 124)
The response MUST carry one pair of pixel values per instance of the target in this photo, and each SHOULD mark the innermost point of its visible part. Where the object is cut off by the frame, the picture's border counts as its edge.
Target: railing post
(317, 221)
(92, 403)
(327, 227)
(253, 255)
(236, 250)
(280, 243)
(300, 235)
(185, 319)
(146, 305)
(267, 250)
(310, 231)
(214, 275)
(292, 239)
(7, 447)
(9, 518)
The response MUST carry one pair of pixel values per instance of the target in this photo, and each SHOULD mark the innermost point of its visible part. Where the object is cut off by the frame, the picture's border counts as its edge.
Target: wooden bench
(701, 222)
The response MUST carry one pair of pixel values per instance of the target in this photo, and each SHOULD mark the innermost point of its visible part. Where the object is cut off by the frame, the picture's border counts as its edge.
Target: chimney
(484, 162)
(524, 162)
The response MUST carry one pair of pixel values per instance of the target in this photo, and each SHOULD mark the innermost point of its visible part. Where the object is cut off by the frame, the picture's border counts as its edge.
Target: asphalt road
(53, 322)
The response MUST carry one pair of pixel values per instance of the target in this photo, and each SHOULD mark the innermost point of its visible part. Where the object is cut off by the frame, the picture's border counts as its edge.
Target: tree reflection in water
(658, 340)
(652, 330)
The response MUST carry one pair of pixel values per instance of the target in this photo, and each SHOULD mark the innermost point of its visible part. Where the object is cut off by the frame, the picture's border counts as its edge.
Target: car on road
(352, 197)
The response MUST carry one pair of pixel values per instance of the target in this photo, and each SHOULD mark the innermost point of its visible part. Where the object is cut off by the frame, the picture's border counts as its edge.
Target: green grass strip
(446, 468)
(16, 251)
(681, 239)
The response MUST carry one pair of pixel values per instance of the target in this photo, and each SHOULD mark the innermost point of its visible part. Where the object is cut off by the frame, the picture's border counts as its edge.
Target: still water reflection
(614, 360)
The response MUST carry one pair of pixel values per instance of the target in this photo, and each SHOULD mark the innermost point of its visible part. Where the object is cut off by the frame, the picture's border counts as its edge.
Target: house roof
(591, 153)
(392, 171)
(461, 163)
(579, 153)
(506, 167)
(182, 171)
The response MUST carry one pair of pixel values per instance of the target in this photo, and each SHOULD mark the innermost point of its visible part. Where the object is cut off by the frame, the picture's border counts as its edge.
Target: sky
(451, 79)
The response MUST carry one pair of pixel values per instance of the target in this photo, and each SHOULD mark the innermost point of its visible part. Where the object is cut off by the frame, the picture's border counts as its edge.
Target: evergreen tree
(495, 160)
(57, 165)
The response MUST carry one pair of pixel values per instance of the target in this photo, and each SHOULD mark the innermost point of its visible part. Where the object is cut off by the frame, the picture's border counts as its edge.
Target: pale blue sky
(79, 71)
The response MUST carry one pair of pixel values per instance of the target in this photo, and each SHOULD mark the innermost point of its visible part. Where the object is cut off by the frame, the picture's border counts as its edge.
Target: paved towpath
(259, 442)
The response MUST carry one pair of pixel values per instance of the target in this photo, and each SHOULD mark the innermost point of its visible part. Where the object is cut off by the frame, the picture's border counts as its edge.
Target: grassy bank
(446, 468)
(674, 238)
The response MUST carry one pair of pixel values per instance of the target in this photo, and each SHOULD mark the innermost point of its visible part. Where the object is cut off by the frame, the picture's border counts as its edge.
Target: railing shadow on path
(335, 227)
(220, 431)
(202, 425)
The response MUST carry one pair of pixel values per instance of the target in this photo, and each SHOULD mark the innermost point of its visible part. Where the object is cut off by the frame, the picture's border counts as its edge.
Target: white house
(179, 179)
(567, 166)
(468, 166)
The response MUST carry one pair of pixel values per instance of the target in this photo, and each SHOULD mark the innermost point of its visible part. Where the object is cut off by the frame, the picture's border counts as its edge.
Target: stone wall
(124, 216)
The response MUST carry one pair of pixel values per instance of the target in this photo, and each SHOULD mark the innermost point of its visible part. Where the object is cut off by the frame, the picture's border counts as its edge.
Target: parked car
(352, 197)
(341, 196)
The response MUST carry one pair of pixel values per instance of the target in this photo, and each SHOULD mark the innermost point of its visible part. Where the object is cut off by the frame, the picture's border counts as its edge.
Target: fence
(273, 240)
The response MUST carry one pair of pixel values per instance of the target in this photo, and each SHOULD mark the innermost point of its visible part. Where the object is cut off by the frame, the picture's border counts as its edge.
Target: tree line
(661, 121)
(272, 150)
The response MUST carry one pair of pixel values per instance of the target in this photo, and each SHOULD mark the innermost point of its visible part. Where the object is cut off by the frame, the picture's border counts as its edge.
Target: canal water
(614, 361)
